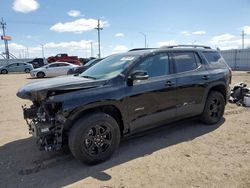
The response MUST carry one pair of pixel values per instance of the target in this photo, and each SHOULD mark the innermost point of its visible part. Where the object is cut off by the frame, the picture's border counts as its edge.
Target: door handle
(205, 77)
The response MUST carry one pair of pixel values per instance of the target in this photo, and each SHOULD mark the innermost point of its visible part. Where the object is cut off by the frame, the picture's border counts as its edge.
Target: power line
(98, 28)
(3, 24)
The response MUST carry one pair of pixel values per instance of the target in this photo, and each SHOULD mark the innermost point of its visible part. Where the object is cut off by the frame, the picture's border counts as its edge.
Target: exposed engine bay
(45, 124)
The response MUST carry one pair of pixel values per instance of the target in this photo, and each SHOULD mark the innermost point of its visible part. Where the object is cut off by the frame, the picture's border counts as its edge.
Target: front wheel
(94, 138)
(4, 71)
(40, 75)
(214, 108)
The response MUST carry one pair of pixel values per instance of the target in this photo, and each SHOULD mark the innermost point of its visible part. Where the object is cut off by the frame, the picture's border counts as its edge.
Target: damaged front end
(46, 117)
(46, 124)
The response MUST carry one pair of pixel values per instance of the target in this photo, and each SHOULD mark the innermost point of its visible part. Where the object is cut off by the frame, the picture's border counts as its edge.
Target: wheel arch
(109, 109)
(217, 86)
(41, 72)
(220, 88)
(5, 70)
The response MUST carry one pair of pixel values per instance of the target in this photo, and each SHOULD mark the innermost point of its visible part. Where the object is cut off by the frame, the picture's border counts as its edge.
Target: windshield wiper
(91, 77)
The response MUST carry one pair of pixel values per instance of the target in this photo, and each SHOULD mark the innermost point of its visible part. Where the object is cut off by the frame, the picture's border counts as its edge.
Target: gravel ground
(185, 154)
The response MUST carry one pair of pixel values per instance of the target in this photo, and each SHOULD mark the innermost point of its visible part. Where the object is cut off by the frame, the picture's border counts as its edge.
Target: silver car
(16, 67)
(52, 70)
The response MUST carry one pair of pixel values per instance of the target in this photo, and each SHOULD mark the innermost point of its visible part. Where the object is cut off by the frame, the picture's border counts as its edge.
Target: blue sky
(68, 25)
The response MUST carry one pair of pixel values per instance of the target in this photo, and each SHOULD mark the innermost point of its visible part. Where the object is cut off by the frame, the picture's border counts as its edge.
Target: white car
(52, 70)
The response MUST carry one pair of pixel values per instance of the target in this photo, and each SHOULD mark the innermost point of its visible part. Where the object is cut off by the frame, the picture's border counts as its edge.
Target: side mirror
(139, 75)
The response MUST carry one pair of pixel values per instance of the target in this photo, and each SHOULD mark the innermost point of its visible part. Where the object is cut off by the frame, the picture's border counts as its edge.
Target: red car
(61, 57)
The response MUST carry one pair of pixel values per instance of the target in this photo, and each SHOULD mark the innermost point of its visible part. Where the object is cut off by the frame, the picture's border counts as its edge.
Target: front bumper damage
(45, 125)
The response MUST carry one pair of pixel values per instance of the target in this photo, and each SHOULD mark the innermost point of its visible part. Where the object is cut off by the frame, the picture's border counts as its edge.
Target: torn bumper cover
(45, 125)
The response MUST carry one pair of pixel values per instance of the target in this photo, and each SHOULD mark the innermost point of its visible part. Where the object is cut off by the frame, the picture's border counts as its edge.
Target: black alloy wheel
(214, 108)
(94, 138)
(98, 139)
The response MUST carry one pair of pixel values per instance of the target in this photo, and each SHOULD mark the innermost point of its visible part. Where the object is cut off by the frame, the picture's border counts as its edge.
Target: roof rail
(137, 49)
(187, 45)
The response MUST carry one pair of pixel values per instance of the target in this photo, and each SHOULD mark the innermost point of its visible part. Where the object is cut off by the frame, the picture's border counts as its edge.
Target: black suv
(126, 93)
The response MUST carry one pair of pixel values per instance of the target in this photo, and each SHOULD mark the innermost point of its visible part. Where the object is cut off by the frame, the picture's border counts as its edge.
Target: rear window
(185, 61)
(212, 57)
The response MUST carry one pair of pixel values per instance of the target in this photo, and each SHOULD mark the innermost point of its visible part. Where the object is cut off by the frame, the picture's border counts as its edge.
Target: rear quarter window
(212, 57)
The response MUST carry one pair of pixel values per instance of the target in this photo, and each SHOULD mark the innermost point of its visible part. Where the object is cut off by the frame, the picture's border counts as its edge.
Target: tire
(94, 138)
(214, 108)
(27, 70)
(40, 75)
(4, 71)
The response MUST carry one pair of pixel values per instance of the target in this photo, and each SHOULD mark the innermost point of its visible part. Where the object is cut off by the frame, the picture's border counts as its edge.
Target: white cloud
(78, 26)
(222, 38)
(228, 41)
(25, 6)
(15, 46)
(119, 35)
(74, 13)
(72, 44)
(166, 43)
(119, 49)
(199, 32)
(186, 33)
(246, 29)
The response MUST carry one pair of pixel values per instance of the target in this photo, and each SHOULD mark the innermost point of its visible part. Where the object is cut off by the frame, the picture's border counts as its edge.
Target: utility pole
(243, 38)
(42, 46)
(145, 39)
(27, 49)
(99, 40)
(3, 24)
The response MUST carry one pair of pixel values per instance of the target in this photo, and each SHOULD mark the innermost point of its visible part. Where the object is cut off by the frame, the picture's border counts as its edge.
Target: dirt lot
(188, 154)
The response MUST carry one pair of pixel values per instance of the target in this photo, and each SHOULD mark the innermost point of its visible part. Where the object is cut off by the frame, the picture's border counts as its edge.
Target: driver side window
(157, 65)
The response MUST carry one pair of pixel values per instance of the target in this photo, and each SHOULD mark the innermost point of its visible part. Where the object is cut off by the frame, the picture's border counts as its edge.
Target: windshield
(109, 67)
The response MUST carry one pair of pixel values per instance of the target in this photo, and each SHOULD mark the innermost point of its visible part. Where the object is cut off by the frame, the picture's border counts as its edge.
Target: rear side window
(212, 57)
(63, 64)
(54, 65)
(184, 61)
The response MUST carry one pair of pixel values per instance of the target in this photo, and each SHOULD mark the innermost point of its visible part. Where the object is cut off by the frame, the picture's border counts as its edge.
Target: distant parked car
(52, 70)
(61, 57)
(38, 62)
(79, 70)
(16, 67)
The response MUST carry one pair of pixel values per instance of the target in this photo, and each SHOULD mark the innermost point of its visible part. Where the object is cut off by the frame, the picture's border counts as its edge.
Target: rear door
(13, 67)
(63, 68)
(21, 67)
(153, 101)
(191, 82)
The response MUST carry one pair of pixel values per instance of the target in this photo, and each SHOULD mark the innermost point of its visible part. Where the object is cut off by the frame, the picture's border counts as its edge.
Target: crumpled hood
(39, 90)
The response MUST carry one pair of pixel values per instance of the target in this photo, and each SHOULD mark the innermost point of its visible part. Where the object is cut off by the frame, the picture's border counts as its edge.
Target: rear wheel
(214, 108)
(4, 71)
(40, 75)
(27, 70)
(94, 138)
